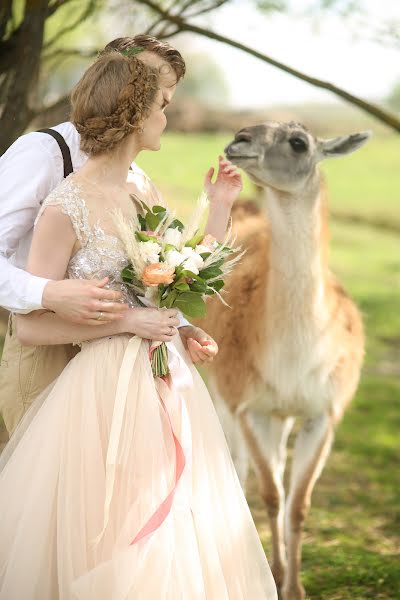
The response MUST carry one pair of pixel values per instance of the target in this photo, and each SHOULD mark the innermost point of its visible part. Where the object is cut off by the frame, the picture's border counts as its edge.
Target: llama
(292, 345)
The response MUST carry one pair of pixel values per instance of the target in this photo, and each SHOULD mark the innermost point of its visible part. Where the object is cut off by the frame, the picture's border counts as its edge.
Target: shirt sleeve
(26, 177)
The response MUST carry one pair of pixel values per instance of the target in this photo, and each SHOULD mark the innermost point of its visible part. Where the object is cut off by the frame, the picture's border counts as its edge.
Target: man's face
(168, 80)
(156, 122)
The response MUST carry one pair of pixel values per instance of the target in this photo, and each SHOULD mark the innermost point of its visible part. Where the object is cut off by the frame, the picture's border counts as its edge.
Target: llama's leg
(266, 438)
(311, 450)
(234, 437)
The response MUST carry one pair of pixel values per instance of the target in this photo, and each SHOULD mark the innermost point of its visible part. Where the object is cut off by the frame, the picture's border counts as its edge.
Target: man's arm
(28, 172)
(25, 178)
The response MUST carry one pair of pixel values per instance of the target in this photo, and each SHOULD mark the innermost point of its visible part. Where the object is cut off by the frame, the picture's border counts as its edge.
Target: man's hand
(201, 346)
(84, 302)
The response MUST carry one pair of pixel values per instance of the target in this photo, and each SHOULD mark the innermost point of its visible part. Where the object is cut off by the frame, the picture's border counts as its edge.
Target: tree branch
(90, 8)
(386, 117)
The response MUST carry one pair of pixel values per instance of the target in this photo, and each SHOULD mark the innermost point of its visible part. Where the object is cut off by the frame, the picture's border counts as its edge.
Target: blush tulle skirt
(117, 487)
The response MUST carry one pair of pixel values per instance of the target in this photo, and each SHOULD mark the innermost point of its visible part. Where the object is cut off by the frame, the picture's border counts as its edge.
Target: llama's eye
(298, 144)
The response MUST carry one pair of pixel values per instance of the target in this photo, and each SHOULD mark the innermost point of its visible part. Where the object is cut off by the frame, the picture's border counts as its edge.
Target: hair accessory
(132, 51)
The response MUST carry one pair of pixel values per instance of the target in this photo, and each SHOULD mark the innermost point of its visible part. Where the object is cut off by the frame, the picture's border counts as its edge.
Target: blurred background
(333, 65)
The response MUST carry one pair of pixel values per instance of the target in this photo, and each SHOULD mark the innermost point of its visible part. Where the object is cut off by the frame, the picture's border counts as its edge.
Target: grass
(352, 535)
(366, 183)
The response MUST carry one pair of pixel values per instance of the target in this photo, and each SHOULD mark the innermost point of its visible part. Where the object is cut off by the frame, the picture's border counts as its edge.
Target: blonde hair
(111, 100)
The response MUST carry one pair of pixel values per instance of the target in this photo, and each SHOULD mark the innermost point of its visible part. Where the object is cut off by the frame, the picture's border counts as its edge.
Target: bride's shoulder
(68, 196)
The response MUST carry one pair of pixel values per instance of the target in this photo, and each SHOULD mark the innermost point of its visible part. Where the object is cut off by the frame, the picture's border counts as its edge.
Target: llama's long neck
(296, 280)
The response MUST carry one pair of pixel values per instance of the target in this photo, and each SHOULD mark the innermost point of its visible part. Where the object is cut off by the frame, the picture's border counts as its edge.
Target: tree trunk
(21, 78)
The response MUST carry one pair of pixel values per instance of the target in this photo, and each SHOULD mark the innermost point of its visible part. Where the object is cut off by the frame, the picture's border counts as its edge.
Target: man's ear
(345, 144)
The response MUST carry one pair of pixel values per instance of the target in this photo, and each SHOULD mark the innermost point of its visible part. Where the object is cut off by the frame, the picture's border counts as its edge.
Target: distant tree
(393, 100)
(204, 81)
(33, 35)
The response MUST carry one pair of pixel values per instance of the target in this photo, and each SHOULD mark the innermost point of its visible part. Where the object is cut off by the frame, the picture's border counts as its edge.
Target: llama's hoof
(293, 592)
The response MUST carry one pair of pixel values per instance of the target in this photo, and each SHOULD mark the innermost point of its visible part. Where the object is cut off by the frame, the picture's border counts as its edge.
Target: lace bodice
(101, 254)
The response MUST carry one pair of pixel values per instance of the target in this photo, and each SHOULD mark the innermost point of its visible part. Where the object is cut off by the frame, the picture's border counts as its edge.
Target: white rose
(173, 237)
(202, 249)
(150, 251)
(193, 256)
(174, 258)
(190, 265)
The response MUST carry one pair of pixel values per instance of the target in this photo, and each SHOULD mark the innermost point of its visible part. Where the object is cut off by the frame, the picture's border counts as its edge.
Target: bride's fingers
(208, 176)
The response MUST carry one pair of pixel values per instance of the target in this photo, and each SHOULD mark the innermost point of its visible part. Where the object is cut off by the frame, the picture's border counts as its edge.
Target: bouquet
(174, 265)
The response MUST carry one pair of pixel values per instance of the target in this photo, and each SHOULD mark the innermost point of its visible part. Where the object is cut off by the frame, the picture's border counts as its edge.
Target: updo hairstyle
(111, 100)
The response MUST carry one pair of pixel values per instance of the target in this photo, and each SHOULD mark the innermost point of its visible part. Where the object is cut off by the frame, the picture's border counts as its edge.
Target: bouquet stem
(159, 360)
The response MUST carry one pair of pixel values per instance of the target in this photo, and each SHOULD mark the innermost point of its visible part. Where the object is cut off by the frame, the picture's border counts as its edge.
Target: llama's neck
(296, 260)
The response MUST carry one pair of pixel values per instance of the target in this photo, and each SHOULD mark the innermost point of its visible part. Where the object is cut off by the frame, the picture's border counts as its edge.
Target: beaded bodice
(101, 253)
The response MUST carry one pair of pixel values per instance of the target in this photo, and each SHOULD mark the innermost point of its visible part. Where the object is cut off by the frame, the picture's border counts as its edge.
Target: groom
(34, 165)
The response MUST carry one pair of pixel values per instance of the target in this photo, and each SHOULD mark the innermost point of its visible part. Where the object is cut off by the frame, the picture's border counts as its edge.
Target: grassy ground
(352, 536)
(353, 531)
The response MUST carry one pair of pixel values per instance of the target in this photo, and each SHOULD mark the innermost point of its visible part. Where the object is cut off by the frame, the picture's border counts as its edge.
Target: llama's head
(284, 156)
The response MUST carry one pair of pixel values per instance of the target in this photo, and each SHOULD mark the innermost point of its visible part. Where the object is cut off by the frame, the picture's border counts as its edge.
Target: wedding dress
(116, 486)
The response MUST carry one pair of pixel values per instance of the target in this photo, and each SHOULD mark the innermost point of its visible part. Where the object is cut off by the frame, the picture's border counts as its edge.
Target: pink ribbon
(159, 516)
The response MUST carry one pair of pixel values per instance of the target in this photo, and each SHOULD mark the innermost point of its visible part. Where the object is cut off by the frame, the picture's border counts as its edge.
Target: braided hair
(111, 101)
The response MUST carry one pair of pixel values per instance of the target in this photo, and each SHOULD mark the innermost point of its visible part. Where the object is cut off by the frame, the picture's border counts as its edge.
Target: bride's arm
(53, 243)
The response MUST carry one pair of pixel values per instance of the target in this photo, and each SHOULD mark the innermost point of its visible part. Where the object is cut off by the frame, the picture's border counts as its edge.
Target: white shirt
(29, 170)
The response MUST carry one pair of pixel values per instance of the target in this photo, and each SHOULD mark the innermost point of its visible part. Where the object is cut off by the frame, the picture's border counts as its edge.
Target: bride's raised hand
(227, 185)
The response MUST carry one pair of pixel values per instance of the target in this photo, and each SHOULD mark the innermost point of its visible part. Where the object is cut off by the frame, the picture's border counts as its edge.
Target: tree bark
(27, 45)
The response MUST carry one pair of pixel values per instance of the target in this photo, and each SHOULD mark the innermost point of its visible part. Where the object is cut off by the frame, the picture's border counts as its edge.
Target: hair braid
(111, 101)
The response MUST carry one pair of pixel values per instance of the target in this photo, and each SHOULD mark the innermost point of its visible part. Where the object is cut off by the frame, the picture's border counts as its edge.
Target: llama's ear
(345, 144)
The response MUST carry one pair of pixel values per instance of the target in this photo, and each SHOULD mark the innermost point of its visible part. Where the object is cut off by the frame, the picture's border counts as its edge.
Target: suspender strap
(65, 151)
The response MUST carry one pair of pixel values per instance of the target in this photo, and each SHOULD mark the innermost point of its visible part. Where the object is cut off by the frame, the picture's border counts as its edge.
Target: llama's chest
(296, 370)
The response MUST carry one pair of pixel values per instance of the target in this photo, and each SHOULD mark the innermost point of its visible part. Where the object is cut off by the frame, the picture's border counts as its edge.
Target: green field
(352, 537)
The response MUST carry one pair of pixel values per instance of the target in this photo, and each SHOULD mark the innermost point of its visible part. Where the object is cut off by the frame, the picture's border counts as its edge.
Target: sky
(328, 50)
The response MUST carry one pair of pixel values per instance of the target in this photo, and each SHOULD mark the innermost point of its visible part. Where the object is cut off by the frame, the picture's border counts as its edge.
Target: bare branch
(386, 117)
(65, 53)
(56, 5)
(90, 8)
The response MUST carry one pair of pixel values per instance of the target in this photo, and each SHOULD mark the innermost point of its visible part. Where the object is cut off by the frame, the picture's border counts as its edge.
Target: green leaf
(192, 243)
(128, 274)
(152, 221)
(170, 299)
(132, 51)
(205, 255)
(143, 237)
(199, 287)
(176, 224)
(142, 222)
(182, 287)
(190, 304)
(159, 209)
(217, 285)
(210, 272)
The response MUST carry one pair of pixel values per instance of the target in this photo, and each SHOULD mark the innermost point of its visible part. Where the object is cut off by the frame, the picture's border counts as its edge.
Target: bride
(116, 485)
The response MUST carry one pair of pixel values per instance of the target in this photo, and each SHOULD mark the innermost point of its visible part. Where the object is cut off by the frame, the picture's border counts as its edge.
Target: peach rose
(157, 273)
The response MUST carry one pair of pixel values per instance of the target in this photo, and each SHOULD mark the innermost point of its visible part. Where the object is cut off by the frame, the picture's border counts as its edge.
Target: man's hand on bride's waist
(84, 302)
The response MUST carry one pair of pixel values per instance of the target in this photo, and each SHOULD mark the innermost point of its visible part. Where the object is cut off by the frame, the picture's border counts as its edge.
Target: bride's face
(154, 125)
(156, 122)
